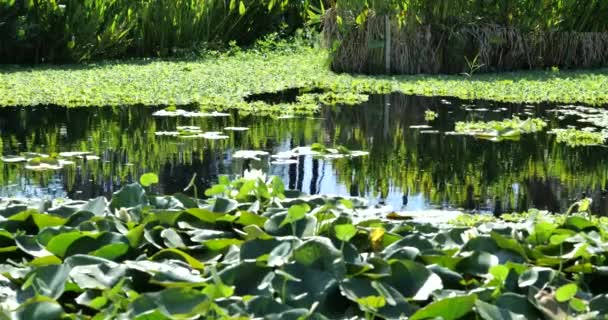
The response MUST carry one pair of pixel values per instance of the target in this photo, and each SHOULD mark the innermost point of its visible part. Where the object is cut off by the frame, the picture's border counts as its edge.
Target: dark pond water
(407, 168)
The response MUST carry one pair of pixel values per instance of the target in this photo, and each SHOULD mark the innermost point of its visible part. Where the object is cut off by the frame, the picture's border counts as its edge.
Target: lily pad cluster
(510, 129)
(430, 115)
(255, 250)
(576, 137)
(334, 98)
(193, 132)
(316, 150)
(173, 112)
(44, 162)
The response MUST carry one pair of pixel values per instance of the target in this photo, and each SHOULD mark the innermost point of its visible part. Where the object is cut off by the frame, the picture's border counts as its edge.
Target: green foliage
(430, 115)
(499, 130)
(36, 31)
(219, 83)
(525, 14)
(148, 179)
(200, 262)
(575, 138)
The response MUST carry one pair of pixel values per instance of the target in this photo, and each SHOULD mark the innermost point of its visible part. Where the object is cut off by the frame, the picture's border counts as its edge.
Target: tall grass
(444, 35)
(553, 15)
(77, 30)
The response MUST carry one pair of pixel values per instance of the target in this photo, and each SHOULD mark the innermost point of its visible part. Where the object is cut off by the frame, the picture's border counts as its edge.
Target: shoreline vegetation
(464, 36)
(254, 249)
(223, 81)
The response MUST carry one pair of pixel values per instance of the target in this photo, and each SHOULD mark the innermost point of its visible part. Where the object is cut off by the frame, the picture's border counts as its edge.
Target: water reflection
(407, 168)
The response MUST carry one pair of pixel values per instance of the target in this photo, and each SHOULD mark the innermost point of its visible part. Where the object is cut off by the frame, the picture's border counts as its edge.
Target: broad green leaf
(247, 218)
(59, 244)
(579, 224)
(172, 253)
(217, 291)
(242, 9)
(223, 205)
(295, 213)
(345, 232)
(447, 309)
(413, 280)
(111, 251)
(30, 245)
(220, 244)
(148, 179)
(566, 292)
(279, 255)
(49, 280)
(46, 220)
(129, 196)
(372, 303)
(172, 238)
(578, 305)
(278, 188)
(491, 312)
(39, 308)
(215, 190)
(318, 253)
(177, 303)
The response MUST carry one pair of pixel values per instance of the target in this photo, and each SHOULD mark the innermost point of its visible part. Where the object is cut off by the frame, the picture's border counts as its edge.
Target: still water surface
(408, 168)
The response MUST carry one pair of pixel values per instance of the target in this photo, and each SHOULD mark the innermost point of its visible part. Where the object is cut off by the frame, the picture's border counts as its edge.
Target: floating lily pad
(249, 154)
(575, 138)
(509, 129)
(13, 159)
(72, 154)
(282, 162)
(236, 128)
(188, 114)
(320, 151)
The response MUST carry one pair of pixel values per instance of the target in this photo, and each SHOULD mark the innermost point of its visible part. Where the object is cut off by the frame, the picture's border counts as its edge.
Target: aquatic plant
(254, 249)
(430, 115)
(218, 83)
(83, 30)
(576, 137)
(499, 130)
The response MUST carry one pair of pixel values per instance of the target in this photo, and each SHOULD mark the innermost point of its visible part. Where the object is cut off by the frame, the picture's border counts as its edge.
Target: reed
(446, 36)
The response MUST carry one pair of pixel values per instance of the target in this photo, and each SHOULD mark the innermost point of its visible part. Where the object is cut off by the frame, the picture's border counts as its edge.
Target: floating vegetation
(509, 129)
(220, 83)
(249, 154)
(587, 115)
(44, 162)
(187, 132)
(254, 250)
(236, 128)
(429, 131)
(334, 98)
(188, 114)
(319, 151)
(575, 137)
(73, 154)
(430, 115)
